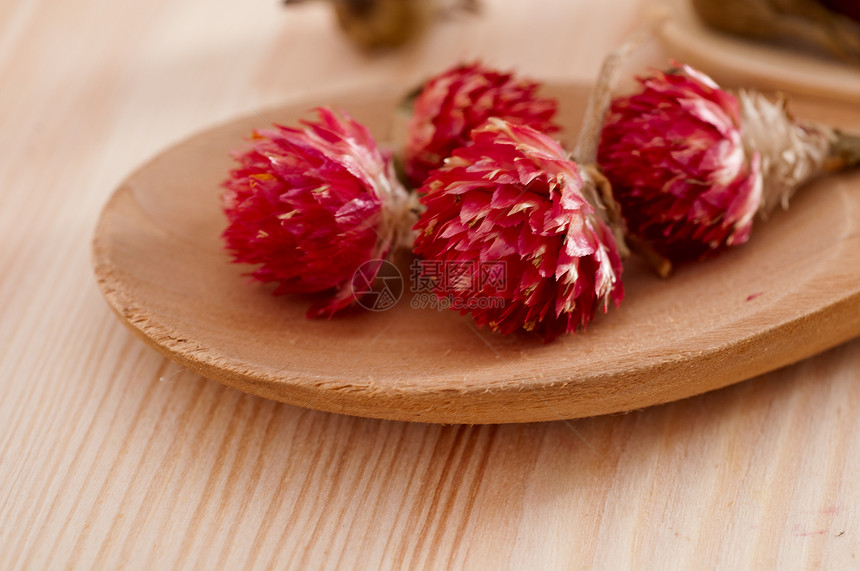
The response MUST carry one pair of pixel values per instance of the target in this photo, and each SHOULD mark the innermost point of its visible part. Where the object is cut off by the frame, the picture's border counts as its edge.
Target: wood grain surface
(112, 457)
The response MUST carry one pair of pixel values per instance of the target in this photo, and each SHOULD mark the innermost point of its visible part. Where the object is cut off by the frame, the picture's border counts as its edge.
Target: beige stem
(600, 99)
(791, 153)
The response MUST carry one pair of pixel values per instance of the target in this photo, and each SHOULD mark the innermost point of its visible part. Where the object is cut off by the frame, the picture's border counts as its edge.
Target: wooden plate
(792, 291)
(740, 61)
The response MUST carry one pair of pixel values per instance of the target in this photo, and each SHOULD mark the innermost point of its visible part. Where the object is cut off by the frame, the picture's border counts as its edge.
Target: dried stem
(792, 152)
(844, 151)
(596, 186)
(660, 264)
(600, 99)
(598, 191)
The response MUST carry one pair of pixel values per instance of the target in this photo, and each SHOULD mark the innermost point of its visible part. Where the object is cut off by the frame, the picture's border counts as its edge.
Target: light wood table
(111, 456)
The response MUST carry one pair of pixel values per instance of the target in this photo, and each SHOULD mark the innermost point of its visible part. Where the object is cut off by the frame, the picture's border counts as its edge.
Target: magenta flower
(309, 206)
(674, 153)
(513, 202)
(456, 101)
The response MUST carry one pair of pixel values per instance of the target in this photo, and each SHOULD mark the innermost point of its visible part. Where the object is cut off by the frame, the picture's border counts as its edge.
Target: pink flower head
(675, 157)
(512, 203)
(453, 103)
(309, 206)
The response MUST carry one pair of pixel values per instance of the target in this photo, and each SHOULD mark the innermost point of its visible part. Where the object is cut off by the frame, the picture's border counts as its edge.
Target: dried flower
(512, 200)
(691, 165)
(309, 206)
(675, 157)
(456, 101)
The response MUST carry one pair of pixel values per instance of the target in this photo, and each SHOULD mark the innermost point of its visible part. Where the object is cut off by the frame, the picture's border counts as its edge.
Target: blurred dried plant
(828, 27)
(390, 23)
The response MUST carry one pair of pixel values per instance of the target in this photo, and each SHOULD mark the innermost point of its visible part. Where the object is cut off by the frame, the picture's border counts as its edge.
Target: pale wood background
(112, 457)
